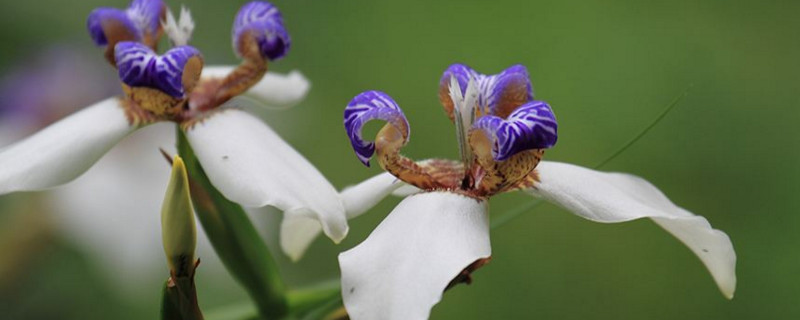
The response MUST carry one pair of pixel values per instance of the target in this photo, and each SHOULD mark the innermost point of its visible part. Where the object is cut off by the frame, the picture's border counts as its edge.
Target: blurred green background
(728, 152)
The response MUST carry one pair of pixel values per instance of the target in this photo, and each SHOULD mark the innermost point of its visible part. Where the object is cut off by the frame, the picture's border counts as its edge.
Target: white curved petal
(274, 91)
(13, 129)
(405, 190)
(361, 197)
(253, 166)
(297, 233)
(618, 197)
(401, 270)
(64, 150)
(111, 212)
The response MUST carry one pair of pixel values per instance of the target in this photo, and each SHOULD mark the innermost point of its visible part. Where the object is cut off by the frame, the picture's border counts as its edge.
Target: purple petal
(147, 15)
(142, 18)
(531, 126)
(461, 72)
(109, 16)
(367, 106)
(139, 66)
(499, 94)
(263, 21)
(504, 92)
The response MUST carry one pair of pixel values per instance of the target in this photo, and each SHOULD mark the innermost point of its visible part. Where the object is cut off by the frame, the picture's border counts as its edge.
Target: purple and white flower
(439, 233)
(247, 161)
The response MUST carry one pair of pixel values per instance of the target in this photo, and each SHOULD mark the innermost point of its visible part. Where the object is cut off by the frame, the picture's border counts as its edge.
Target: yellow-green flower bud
(177, 222)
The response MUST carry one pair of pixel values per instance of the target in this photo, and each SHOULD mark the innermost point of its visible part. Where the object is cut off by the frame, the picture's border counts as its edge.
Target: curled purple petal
(264, 23)
(139, 66)
(531, 126)
(142, 19)
(367, 106)
(147, 15)
(504, 92)
(461, 72)
(499, 94)
(112, 19)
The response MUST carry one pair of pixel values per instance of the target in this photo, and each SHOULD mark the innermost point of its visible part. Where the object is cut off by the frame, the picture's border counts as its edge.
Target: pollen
(154, 101)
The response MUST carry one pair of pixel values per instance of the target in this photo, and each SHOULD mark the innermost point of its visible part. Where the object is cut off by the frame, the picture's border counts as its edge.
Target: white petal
(617, 197)
(64, 150)
(359, 198)
(275, 90)
(401, 270)
(111, 212)
(253, 166)
(297, 233)
(405, 190)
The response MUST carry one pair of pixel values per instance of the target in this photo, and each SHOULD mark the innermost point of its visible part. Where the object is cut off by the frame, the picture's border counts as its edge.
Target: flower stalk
(310, 303)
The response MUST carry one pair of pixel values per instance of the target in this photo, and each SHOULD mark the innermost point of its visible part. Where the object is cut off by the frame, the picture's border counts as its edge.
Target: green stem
(239, 311)
(179, 300)
(302, 303)
(307, 299)
(235, 239)
(169, 309)
(330, 310)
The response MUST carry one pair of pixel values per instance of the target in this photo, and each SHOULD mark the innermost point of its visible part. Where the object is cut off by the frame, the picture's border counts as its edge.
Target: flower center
(162, 87)
(501, 132)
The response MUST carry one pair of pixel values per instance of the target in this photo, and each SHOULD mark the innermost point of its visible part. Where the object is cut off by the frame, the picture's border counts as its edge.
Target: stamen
(464, 115)
(179, 32)
(462, 73)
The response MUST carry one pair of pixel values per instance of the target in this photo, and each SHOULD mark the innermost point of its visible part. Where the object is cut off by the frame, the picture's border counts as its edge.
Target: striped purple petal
(262, 21)
(505, 92)
(111, 20)
(531, 126)
(139, 66)
(141, 19)
(147, 15)
(367, 106)
(499, 94)
(462, 73)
